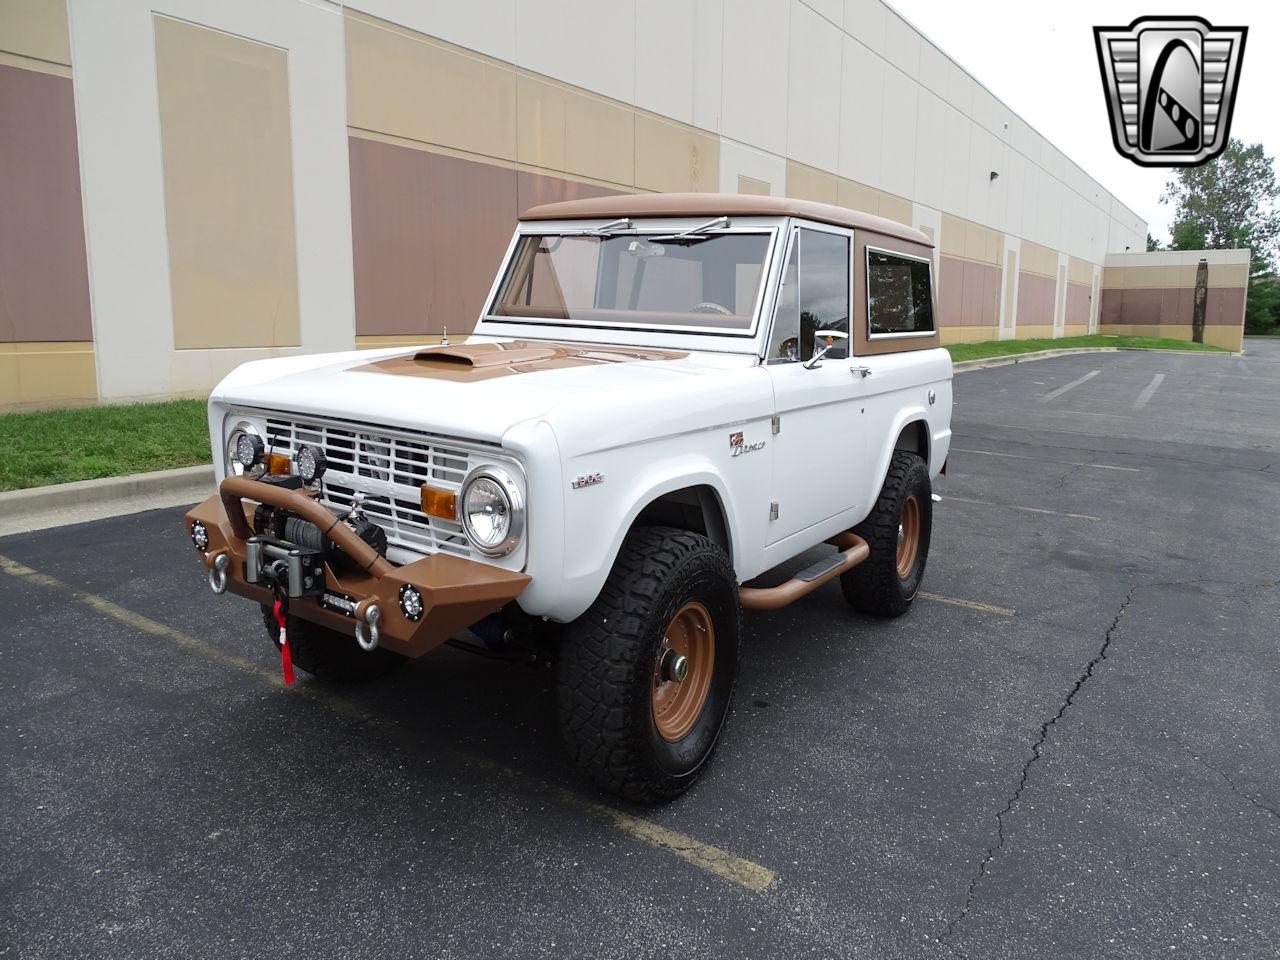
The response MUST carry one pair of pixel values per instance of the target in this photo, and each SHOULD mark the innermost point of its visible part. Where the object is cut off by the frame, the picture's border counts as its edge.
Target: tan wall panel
(47, 374)
(599, 138)
(1038, 259)
(228, 187)
(857, 196)
(895, 208)
(1174, 275)
(1229, 338)
(675, 158)
(752, 186)
(44, 282)
(540, 123)
(981, 243)
(954, 235)
(35, 28)
(807, 183)
(1035, 331)
(951, 335)
(1075, 330)
(1079, 271)
(406, 84)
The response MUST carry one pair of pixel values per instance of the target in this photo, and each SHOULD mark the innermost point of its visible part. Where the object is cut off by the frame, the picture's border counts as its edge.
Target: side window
(899, 297)
(814, 296)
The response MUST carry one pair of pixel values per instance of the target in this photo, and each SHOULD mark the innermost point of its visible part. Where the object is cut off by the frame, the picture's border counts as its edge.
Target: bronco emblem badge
(737, 447)
(1170, 84)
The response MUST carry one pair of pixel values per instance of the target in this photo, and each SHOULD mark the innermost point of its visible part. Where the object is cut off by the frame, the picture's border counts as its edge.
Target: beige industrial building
(186, 185)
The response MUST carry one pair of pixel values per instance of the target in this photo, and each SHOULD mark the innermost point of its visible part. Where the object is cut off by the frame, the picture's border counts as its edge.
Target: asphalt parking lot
(1066, 749)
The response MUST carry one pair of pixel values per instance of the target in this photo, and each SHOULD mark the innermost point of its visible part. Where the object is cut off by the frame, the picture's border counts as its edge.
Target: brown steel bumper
(455, 592)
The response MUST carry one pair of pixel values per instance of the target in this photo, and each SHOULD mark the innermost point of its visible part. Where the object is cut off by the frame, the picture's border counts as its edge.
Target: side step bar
(853, 550)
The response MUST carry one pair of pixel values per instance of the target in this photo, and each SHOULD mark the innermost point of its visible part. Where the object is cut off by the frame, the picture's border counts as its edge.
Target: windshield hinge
(777, 424)
(773, 510)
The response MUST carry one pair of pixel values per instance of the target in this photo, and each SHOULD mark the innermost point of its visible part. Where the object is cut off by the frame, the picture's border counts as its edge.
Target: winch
(289, 552)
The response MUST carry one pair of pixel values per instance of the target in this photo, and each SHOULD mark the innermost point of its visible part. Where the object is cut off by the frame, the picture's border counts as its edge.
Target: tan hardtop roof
(720, 204)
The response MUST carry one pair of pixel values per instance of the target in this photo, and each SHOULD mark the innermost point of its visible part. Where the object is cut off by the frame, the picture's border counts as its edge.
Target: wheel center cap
(675, 666)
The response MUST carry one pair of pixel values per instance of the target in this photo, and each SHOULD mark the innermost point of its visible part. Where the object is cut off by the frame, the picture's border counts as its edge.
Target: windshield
(698, 281)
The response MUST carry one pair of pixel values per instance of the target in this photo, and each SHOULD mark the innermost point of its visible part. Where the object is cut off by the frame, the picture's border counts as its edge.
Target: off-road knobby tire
(874, 585)
(328, 654)
(607, 660)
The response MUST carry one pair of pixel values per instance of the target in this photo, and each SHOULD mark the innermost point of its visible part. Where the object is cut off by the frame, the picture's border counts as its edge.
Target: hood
(471, 390)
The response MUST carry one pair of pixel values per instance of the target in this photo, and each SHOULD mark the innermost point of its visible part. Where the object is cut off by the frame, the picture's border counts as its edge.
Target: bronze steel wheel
(908, 536)
(682, 671)
(646, 674)
(897, 530)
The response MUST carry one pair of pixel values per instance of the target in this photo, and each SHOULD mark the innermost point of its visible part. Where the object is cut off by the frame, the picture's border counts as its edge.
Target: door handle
(862, 372)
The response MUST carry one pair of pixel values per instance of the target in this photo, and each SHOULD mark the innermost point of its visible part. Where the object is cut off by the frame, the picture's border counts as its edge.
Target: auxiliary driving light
(200, 536)
(311, 464)
(249, 450)
(411, 602)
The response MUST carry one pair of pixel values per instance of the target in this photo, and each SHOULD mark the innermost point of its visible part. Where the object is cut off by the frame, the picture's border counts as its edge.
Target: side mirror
(823, 341)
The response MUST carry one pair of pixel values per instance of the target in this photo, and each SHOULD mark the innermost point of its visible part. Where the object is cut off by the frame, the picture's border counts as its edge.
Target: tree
(1228, 203)
(1153, 244)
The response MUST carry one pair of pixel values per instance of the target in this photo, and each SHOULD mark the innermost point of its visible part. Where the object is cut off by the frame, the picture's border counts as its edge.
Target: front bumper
(456, 592)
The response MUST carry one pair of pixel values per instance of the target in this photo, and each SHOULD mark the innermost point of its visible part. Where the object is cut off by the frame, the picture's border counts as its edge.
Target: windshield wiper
(609, 229)
(693, 234)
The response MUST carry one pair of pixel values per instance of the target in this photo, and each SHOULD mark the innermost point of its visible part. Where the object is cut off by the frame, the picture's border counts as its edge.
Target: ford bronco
(665, 397)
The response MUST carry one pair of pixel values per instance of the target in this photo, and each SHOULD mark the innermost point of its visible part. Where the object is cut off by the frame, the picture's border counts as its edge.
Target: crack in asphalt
(1068, 475)
(1264, 807)
(1036, 754)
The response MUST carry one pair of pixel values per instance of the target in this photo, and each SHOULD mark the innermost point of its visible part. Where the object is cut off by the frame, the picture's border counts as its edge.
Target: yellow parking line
(970, 604)
(1010, 506)
(745, 873)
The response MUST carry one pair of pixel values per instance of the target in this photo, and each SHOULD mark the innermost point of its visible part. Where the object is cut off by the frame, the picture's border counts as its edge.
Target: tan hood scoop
(470, 362)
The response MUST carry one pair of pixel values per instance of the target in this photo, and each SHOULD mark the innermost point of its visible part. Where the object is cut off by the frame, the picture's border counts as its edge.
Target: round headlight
(311, 463)
(245, 451)
(492, 511)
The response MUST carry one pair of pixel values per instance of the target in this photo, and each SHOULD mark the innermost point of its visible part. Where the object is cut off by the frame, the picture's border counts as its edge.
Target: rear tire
(628, 723)
(328, 654)
(897, 530)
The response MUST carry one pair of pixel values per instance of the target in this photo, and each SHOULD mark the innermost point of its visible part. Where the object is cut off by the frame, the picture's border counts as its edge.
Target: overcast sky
(1040, 59)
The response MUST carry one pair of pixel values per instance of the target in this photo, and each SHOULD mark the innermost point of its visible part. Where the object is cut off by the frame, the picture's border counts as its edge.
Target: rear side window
(899, 295)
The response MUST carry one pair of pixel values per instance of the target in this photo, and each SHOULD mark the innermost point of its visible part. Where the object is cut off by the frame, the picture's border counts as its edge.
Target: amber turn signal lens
(439, 503)
(278, 464)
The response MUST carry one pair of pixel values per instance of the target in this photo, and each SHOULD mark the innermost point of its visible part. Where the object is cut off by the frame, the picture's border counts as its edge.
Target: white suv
(666, 396)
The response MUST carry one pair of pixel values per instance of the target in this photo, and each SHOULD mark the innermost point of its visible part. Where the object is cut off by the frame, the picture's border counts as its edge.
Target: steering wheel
(706, 306)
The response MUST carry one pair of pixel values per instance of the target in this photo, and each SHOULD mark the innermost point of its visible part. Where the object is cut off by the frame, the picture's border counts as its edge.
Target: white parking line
(969, 604)
(1016, 456)
(1054, 394)
(1148, 391)
(1011, 506)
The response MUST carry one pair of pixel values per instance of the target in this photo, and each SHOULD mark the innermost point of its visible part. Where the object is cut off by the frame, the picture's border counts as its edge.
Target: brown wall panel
(429, 231)
(950, 292)
(1077, 310)
(1171, 305)
(44, 284)
(1035, 299)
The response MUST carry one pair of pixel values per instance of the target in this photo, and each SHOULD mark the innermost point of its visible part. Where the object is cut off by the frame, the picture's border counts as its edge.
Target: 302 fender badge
(737, 446)
(587, 480)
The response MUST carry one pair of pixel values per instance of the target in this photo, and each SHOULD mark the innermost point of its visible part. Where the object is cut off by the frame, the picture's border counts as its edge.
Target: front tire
(647, 673)
(898, 530)
(328, 654)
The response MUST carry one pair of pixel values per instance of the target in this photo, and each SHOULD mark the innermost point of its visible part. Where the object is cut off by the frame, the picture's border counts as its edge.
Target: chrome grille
(391, 468)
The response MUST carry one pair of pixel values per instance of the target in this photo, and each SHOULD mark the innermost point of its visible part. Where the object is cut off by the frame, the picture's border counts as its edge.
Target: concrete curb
(985, 362)
(40, 507)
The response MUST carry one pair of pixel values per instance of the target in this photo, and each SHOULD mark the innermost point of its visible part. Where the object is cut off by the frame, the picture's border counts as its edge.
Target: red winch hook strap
(286, 658)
